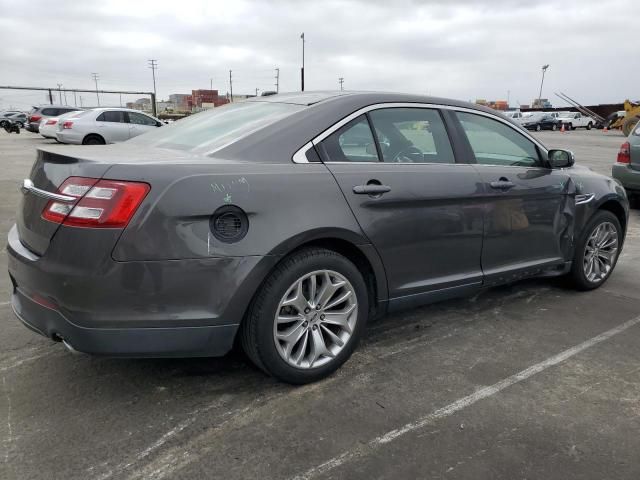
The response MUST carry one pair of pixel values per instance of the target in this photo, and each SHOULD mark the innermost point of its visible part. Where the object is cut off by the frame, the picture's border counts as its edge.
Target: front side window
(412, 135)
(140, 119)
(352, 142)
(494, 143)
(111, 116)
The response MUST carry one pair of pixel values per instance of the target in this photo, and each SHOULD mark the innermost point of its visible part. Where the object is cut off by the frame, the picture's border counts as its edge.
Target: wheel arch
(92, 134)
(617, 209)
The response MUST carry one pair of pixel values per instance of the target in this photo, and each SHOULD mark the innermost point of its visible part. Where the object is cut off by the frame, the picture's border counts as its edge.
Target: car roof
(118, 109)
(364, 98)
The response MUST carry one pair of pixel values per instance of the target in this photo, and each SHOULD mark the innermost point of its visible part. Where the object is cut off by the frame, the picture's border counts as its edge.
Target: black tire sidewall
(264, 315)
(577, 270)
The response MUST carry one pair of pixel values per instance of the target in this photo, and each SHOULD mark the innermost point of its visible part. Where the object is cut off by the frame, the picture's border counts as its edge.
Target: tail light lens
(98, 204)
(624, 155)
(35, 118)
(51, 122)
(67, 124)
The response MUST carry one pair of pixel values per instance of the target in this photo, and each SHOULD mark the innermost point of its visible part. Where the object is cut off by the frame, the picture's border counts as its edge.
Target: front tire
(597, 251)
(308, 316)
(538, 128)
(554, 127)
(589, 126)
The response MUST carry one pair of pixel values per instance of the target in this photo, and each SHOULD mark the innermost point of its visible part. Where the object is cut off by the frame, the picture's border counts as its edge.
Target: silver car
(105, 125)
(627, 167)
(49, 126)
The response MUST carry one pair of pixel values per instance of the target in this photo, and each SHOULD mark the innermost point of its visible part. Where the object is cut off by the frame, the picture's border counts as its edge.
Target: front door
(417, 206)
(529, 210)
(140, 123)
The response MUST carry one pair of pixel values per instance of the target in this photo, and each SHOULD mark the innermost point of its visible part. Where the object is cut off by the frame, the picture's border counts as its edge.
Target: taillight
(98, 204)
(624, 155)
(51, 122)
(35, 118)
(67, 124)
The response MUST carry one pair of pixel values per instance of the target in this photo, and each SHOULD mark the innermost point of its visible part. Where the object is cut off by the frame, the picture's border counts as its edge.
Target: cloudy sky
(464, 49)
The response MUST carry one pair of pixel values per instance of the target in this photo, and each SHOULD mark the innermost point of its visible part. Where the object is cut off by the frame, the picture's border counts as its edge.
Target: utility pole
(302, 69)
(211, 84)
(50, 97)
(81, 102)
(120, 99)
(75, 100)
(65, 96)
(153, 65)
(95, 79)
(277, 80)
(231, 85)
(544, 69)
(341, 82)
(256, 91)
(59, 93)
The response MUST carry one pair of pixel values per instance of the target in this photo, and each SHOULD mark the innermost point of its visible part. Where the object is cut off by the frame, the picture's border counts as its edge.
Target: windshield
(211, 130)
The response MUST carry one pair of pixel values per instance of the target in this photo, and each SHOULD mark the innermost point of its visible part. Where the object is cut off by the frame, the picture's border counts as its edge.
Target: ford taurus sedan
(286, 222)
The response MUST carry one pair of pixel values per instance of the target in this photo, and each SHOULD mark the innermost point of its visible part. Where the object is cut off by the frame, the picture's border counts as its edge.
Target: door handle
(371, 189)
(502, 184)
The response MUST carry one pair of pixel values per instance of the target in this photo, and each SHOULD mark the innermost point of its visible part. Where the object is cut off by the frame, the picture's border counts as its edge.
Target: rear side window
(412, 135)
(50, 112)
(494, 143)
(111, 116)
(352, 142)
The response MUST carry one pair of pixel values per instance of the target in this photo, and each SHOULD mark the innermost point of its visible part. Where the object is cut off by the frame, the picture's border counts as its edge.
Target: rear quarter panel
(286, 204)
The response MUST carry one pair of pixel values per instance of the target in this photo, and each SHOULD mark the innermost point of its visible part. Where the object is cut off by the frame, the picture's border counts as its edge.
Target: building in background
(209, 97)
(182, 101)
(541, 103)
(501, 105)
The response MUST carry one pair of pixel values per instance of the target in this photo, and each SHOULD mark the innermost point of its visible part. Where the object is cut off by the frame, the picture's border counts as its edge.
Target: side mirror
(561, 158)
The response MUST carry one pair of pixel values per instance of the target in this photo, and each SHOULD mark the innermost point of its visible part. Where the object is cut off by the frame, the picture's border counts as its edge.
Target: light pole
(95, 79)
(341, 82)
(302, 69)
(544, 69)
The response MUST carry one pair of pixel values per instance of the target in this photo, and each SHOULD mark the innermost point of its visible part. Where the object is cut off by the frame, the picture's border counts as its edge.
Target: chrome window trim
(300, 155)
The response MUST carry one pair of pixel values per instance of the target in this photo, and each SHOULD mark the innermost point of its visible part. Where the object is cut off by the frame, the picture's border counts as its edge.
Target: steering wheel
(409, 155)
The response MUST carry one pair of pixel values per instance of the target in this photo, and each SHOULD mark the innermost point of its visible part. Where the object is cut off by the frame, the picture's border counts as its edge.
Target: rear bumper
(629, 177)
(172, 308)
(124, 342)
(68, 136)
(32, 127)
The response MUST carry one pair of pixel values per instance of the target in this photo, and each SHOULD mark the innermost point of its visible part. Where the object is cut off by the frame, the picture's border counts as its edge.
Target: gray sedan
(627, 168)
(286, 222)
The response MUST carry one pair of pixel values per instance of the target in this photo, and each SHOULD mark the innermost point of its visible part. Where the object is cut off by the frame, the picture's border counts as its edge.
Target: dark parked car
(258, 222)
(539, 122)
(627, 168)
(46, 111)
(18, 118)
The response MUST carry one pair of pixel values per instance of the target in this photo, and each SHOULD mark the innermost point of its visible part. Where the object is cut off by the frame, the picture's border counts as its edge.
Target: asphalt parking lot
(529, 381)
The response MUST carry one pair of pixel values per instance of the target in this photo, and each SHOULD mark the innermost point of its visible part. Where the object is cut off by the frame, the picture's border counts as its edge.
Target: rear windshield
(210, 130)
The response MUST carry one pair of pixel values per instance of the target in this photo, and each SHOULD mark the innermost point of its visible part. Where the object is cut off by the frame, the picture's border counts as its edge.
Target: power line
(95, 79)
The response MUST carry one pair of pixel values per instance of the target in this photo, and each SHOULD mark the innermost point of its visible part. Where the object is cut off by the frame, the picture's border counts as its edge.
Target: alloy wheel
(600, 252)
(315, 319)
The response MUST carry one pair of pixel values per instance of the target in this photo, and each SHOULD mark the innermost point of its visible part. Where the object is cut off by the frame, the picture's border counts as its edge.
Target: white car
(573, 120)
(105, 125)
(514, 115)
(49, 126)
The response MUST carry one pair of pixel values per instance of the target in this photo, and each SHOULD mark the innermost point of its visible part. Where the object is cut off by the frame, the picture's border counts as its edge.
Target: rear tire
(93, 139)
(285, 303)
(602, 246)
(554, 127)
(589, 126)
(538, 128)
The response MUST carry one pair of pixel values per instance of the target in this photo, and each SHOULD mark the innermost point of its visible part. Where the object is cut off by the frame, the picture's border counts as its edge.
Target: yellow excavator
(631, 118)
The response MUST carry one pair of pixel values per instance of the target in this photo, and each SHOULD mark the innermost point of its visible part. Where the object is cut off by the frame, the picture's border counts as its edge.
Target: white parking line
(462, 403)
